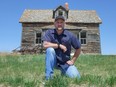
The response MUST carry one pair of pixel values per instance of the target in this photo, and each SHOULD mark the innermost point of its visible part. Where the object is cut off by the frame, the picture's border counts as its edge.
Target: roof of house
(74, 16)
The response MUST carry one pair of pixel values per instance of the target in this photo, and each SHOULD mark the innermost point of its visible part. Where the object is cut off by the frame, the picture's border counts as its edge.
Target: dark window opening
(83, 38)
(60, 13)
(38, 38)
(83, 34)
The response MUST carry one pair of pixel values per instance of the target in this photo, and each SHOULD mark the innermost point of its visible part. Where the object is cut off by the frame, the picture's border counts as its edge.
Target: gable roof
(60, 7)
(74, 16)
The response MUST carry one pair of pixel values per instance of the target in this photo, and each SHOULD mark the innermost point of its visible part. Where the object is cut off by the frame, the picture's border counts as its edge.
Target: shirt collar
(63, 33)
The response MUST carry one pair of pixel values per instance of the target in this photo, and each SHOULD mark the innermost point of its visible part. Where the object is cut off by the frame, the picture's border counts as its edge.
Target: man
(58, 44)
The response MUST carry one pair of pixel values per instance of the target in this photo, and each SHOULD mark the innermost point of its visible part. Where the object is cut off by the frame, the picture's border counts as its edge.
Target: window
(60, 13)
(38, 38)
(83, 38)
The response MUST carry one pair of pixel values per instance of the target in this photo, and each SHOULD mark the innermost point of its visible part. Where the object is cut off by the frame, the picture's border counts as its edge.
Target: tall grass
(28, 71)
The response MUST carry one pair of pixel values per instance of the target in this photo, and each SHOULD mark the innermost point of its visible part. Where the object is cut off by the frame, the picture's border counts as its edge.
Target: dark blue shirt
(67, 39)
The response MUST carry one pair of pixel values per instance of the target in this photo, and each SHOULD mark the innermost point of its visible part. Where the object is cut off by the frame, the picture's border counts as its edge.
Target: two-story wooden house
(83, 23)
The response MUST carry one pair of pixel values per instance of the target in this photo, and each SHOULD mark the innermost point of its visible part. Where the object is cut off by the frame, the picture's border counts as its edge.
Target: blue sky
(11, 11)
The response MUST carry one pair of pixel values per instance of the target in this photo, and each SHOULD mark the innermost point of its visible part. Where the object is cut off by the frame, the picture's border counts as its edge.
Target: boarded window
(93, 37)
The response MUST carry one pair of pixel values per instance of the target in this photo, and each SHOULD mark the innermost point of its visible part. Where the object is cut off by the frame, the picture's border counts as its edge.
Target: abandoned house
(83, 23)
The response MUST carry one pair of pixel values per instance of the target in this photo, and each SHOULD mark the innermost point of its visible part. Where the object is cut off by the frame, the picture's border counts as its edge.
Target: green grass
(28, 71)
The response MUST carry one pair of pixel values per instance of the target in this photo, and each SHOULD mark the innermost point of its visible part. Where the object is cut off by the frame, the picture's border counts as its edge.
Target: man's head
(59, 22)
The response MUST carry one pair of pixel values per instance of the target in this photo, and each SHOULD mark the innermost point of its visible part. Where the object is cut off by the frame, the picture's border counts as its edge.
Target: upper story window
(62, 11)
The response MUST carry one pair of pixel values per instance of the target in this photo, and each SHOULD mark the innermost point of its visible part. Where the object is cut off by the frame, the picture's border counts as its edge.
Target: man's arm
(49, 44)
(54, 45)
(75, 56)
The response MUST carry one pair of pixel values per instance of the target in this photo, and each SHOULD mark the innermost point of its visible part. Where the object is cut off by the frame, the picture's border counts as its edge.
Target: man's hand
(63, 47)
(75, 56)
(70, 62)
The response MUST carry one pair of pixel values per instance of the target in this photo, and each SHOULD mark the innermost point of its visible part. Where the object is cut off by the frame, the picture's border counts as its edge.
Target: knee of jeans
(73, 72)
(50, 50)
(74, 75)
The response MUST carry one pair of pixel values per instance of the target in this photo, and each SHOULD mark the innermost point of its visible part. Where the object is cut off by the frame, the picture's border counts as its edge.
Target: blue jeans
(51, 62)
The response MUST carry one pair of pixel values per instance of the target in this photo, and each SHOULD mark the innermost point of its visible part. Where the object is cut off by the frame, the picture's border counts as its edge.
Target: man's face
(59, 24)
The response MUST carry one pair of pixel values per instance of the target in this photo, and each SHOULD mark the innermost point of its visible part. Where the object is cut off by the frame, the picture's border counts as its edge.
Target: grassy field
(28, 71)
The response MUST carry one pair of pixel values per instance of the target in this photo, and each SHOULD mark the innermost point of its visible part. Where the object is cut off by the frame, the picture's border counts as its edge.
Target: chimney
(66, 6)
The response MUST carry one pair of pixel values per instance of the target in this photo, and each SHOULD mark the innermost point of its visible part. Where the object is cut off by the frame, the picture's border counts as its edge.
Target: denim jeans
(51, 62)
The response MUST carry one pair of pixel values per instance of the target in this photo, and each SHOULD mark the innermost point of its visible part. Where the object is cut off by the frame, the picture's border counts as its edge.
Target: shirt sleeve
(46, 36)
(75, 42)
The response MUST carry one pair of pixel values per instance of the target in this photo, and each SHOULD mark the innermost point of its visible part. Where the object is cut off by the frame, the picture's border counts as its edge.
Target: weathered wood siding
(93, 40)
(93, 35)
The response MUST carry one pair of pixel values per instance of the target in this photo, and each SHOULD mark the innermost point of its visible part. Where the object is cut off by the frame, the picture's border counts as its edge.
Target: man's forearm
(76, 54)
(49, 44)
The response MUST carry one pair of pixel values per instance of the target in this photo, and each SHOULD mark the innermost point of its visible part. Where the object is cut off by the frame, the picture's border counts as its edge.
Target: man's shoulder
(68, 32)
(50, 30)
